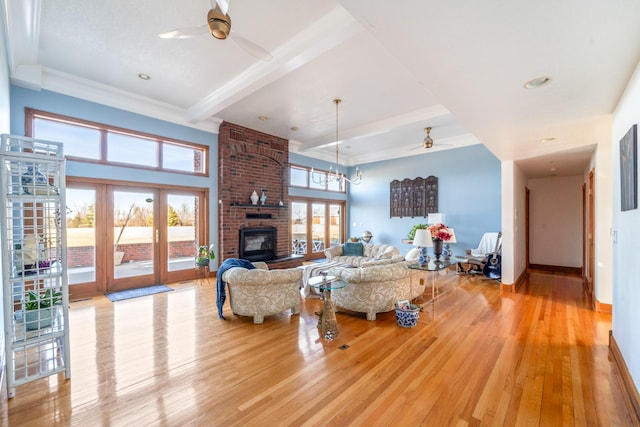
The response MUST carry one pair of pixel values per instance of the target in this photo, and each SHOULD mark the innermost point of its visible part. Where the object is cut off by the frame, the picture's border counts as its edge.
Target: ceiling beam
(325, 34)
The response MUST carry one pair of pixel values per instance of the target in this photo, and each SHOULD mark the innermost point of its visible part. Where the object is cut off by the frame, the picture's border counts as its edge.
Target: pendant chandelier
(335, 175)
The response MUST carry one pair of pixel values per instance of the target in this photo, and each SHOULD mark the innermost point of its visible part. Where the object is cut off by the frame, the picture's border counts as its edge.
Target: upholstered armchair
(263, 292)
(376, 289)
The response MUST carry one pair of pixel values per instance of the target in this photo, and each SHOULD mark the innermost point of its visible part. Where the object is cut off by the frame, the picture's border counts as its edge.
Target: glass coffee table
(327, 322)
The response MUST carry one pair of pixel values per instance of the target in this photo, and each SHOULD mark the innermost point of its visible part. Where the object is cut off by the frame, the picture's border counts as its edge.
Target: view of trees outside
(81, 212)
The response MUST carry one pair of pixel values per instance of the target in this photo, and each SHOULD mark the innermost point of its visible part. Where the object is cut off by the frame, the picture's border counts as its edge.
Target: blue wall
(469, 183)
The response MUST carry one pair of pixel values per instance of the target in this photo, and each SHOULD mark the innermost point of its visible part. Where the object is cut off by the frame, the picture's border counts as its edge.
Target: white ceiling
(457, 66)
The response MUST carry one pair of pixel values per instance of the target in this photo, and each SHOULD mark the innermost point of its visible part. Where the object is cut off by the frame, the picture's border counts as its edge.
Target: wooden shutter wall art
(413, 197)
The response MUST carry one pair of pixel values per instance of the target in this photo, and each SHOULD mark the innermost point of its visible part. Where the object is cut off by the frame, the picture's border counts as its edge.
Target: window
(99, 143)
(316, 225)
(131, 149)
(301, 176)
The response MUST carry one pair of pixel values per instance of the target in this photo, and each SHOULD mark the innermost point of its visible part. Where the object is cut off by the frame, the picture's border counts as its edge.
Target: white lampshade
(453, 236)
(435, 218)
(422, 239)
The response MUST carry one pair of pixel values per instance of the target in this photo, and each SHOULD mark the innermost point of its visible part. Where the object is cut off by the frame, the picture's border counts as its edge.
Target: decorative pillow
(412, 255)
(352, 249)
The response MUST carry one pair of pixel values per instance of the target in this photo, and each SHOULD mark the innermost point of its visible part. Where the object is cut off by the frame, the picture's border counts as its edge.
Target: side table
(434, 267)
(327, 322)
(202, 273)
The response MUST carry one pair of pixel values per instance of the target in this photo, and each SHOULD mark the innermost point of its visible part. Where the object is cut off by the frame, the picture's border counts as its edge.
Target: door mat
(138, 292)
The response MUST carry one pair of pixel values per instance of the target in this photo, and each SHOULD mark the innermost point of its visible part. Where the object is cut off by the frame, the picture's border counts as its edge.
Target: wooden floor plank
(476, 357)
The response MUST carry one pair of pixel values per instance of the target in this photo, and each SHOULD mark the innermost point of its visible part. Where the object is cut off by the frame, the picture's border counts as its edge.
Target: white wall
(513, 222)
(555, 221)
(626, 245)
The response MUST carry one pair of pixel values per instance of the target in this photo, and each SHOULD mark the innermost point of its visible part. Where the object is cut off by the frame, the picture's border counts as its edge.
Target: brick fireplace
(249, 161)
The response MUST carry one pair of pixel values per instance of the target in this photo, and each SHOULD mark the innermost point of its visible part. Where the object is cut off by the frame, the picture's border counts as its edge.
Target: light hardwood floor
(476, 357)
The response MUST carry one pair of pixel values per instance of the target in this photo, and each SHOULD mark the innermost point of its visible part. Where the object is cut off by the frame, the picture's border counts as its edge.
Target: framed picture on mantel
(629, 170)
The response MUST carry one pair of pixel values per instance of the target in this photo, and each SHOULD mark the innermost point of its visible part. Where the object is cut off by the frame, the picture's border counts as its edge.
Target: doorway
(125, 236)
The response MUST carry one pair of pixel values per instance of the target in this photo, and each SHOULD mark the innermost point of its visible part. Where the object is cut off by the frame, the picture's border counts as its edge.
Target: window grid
(300, 176)
(153, 161)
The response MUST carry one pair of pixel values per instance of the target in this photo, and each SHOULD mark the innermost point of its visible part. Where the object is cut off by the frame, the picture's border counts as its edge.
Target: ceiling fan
(219, 25)
(427, 142)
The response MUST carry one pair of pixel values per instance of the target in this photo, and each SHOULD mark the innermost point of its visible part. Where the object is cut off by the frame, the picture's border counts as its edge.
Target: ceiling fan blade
(251, 47)
(185, 33)
(223, 4)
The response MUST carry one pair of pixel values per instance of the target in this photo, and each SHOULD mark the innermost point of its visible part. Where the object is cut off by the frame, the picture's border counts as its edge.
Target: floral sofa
(376, 287)
(263, 292)
(369, 252)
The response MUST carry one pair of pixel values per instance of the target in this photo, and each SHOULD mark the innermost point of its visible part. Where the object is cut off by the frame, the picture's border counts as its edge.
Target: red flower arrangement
(440, 232)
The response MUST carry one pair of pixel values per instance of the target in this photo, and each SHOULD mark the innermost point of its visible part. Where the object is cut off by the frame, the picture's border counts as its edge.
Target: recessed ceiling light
(537, 82)
(552, 169)
(144, 76)
(549, 139)
(263, 118)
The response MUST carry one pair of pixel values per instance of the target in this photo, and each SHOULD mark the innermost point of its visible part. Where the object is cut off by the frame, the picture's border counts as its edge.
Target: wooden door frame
(527, 201)
(590, 284)
(104, 233)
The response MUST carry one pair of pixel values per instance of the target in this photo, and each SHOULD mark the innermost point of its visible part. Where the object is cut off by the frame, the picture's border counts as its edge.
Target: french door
(315, 226)
(121, 237)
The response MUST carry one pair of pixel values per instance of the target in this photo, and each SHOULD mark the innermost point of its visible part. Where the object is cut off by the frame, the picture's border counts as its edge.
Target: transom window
(301, 176)
(100, 143)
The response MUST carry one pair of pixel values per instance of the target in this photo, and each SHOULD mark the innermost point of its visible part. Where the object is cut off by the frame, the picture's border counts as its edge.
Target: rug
(138, 292)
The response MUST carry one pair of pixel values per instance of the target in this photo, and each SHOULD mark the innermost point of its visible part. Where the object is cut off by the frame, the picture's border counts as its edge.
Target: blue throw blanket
(221, 285)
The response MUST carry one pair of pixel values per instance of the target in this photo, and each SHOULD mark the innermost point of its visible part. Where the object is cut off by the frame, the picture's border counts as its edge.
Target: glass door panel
(133, 234)
(182, 236)
(319, 228)
(81, 235)
(299, 228)
(335, 225)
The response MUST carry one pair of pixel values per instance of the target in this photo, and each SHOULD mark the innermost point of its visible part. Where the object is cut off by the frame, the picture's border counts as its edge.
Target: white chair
(477, 258)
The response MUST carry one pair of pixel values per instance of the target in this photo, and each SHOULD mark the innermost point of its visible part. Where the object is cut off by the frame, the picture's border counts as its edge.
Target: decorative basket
(407, 318)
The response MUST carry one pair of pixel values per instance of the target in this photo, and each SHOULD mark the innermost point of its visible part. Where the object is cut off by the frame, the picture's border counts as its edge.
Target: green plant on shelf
(45, 299)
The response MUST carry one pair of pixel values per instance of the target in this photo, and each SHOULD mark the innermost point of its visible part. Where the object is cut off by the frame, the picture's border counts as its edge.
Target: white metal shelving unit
(33, 220)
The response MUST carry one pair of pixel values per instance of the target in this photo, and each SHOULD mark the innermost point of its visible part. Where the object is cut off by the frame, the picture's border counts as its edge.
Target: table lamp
(435, 218)
(446, 247)
(422, 240)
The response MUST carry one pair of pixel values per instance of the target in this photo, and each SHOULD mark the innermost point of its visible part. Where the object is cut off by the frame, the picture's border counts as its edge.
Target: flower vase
(446, 251)
(437, 248)
(423, 258)
(254, 198)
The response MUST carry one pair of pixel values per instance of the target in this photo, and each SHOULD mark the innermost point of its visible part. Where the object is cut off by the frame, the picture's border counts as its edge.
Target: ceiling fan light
(427, 142)
(219, 24)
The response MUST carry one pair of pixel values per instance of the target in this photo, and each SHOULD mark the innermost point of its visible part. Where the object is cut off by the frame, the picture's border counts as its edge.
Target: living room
(478, 191)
